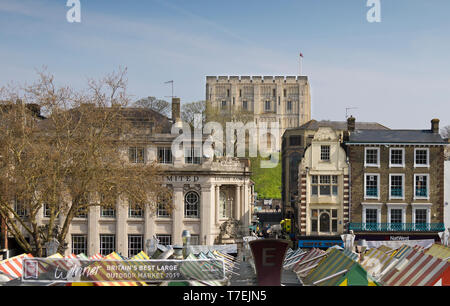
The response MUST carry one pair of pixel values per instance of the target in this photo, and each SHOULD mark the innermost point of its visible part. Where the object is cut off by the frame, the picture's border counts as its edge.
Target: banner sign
(78, 270)
(268, 255)
(319, 243)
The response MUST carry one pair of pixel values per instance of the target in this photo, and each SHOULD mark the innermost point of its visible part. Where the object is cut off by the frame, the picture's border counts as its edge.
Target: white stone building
(323, 185)
(206, 193)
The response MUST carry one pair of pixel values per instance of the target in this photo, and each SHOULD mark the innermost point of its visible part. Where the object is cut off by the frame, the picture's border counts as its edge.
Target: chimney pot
(176, 110)
(351, 124)
(435, 126)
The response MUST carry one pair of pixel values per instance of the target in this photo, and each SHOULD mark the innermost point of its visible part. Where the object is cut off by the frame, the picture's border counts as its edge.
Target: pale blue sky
(396, 72)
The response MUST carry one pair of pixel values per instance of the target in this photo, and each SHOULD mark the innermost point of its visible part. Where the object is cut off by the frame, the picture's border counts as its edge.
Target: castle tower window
(289, 106)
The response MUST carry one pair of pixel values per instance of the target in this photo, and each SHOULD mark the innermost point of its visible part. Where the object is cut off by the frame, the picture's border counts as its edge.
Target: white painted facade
(328, 202)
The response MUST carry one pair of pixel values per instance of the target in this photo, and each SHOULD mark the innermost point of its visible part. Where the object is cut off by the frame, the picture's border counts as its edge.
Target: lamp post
(178, 252)
(186, 237)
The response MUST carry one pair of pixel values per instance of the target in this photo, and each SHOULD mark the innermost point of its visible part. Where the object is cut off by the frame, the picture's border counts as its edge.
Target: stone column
(237, 202)
(93, 234)
(178, 214)
(247, 213)
(205, 215)
(121, 227)
(217, 202)
(242, 212)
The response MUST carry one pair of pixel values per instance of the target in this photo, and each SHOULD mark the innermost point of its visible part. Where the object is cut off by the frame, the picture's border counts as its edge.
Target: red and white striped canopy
(13, 266)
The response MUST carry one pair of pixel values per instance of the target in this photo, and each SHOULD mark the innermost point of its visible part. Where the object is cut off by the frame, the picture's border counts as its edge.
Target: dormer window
(325, 153)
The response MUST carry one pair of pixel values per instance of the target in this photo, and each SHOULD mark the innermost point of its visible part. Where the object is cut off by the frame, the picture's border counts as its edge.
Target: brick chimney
(351, 124)
(435, 126)
(176, 110)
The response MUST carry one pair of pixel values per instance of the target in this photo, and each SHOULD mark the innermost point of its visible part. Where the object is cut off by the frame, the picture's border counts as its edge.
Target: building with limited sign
(211, 199)
(211, 196)
(396, 183)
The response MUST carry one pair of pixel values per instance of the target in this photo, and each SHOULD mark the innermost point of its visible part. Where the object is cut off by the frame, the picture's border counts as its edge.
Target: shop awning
(13, 266)
(418, 269)
(309, 262)
(439, 251)
(339, 268)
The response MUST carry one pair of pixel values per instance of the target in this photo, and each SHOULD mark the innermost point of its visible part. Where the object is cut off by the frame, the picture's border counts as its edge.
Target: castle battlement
(256, 79)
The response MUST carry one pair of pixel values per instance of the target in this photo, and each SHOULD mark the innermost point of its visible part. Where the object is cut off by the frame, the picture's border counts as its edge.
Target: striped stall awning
(330, 270)
(416, 269)
(376, 261)
(97, 256)
(82, 256)
(194, 270)
(289, 262)
(309, 262)
(103, 276)
(13, 266)
(439, 251)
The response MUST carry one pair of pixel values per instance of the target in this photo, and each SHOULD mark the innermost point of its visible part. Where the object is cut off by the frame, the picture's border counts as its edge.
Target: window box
(371, 186)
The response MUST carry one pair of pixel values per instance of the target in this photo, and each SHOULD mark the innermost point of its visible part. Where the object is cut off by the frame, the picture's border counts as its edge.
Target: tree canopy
(75, 158)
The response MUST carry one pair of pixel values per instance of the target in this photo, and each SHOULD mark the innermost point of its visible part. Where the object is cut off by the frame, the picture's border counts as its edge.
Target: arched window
(192, 205)
(324, 222)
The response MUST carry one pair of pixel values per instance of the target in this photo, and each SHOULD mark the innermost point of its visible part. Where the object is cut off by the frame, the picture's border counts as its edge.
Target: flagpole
(300, 67)
(300, 64)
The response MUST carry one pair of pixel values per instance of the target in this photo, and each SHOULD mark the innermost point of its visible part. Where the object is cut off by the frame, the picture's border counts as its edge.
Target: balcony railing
(397, 227)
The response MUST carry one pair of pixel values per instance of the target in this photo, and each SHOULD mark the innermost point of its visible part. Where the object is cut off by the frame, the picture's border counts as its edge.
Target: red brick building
(396, 183)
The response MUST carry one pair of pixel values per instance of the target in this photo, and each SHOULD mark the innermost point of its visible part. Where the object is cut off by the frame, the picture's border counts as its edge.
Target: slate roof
(395, 136)
(141, 118)
(339, 125)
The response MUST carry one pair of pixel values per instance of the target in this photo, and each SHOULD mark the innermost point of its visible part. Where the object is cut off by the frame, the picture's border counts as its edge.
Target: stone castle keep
(281, 99)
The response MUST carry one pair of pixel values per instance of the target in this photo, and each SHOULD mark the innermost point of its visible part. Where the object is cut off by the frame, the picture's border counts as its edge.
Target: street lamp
(186, 237)
(178, 252)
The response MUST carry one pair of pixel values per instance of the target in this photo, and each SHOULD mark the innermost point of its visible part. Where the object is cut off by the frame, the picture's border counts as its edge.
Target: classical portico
(220, 198)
